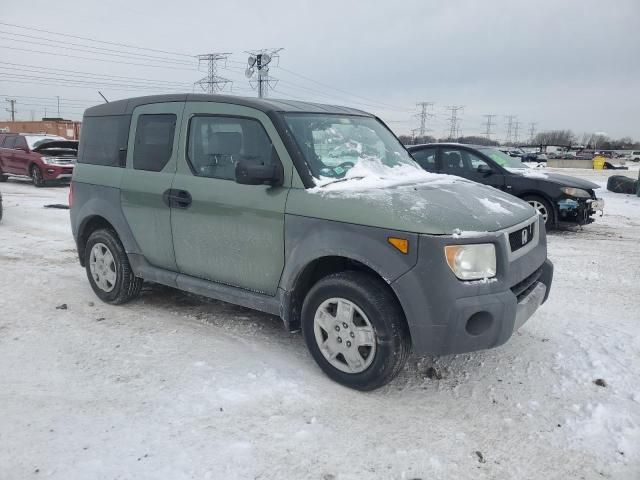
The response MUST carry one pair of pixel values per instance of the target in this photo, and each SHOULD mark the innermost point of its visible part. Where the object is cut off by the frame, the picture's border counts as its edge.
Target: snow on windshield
(372, 174)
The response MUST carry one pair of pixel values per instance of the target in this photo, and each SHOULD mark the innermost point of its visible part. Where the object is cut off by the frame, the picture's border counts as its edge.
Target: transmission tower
(213, 83)
(259, 60)
(454, 119)
(12, 108)
(516, 131)
(488, 124)
(532, 131)
(510, 120)
(423, 115)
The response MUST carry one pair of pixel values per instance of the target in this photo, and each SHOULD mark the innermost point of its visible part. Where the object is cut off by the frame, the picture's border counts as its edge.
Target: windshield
(334, 144)
(35, 141)
(502, 159)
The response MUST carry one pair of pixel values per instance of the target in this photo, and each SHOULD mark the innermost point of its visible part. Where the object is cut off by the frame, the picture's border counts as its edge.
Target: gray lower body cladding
(447, 316)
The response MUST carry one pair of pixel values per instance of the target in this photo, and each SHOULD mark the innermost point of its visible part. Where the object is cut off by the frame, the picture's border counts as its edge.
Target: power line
(172, 67)
(213, 83)
(94, 40)
(516, 130)
(532, 131)
(488, 124)
(65, 46)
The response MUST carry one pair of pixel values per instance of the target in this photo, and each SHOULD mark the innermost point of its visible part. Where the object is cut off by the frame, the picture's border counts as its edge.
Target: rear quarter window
(103, 140)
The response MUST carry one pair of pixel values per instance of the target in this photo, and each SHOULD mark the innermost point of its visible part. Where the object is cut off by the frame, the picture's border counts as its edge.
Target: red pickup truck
(44, 158)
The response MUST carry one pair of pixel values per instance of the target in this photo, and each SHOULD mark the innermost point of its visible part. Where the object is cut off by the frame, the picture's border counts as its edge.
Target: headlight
(576, 192)
(472, 262)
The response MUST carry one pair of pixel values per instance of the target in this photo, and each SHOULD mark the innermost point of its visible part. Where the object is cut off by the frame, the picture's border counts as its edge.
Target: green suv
(314, 213)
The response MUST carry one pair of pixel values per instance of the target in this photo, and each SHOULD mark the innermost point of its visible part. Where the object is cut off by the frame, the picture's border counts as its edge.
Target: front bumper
(57, 172)
(579, 210)
(447, 316)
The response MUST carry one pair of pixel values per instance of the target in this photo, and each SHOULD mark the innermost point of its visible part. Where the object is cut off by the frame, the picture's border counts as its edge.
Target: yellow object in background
(598, 163)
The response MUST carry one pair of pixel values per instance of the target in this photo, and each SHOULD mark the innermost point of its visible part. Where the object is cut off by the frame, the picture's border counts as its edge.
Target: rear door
(229, 233)
(7, 154)
(427, 158)
(151, 166)
(21, 157)
(468, 164)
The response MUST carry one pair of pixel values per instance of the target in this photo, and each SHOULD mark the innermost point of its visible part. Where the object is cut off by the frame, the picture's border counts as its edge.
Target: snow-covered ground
(175, 387)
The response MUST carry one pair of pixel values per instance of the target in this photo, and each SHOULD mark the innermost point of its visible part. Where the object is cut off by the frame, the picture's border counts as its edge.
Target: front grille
(522, 237)
(524, 287)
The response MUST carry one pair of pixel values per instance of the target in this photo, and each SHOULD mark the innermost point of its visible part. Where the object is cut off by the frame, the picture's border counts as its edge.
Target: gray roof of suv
(126, 107)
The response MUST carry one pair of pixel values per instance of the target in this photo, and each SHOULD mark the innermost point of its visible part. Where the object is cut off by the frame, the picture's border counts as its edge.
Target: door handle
(177, 198)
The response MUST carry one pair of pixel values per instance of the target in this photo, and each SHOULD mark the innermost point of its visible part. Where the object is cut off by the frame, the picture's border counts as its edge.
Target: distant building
(68, 129)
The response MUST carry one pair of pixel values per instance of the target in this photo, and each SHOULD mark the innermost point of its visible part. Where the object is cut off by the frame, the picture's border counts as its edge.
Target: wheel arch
(543, 195)
(314, 271)
(87, 227)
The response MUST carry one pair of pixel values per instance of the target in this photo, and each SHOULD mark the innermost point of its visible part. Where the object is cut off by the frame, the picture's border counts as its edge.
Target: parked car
(43, 158)
(635, 156)
(558, 198)
(250, 202)
(533, 157)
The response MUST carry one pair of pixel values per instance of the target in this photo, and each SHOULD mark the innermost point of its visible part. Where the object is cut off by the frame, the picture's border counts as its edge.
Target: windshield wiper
(341, 180)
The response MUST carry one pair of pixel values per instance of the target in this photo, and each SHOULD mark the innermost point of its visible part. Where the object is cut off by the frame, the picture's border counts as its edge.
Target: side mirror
(253, 173)
(485, 169)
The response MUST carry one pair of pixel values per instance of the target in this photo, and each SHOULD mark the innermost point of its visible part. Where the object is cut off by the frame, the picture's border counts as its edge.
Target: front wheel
(108, 268)
(36, 176)
(355, 330)
(543, 208)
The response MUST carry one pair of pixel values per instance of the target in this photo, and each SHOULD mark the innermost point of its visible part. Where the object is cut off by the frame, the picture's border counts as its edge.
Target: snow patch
(494, 206)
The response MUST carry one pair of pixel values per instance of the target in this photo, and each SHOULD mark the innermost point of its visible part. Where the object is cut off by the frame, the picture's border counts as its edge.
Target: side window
(461, 162)
(103, 140)
(452, 162)
(9, 142)
(154, 141)
(20, 143)
(426, 158)
(216, 143)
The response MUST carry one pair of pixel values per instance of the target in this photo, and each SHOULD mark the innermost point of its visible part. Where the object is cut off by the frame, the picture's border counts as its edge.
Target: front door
(151, 165)
(229, 233)
(21, 157)
(467, 164)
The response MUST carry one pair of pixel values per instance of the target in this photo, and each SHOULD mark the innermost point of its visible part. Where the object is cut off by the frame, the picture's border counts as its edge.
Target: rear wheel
(36, 176)
(543, 208)
(355, 330)
(108, 268)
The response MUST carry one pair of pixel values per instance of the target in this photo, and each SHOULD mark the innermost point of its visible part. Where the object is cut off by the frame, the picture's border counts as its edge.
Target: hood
(70, 144)
(564, 180)
(437, 205)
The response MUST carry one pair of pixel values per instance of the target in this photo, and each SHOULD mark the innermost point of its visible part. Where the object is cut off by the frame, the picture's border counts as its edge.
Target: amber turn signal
(401, 244)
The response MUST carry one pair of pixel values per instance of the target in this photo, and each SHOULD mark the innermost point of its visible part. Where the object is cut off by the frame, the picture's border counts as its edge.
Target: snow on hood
(558, 178)
(372, 174)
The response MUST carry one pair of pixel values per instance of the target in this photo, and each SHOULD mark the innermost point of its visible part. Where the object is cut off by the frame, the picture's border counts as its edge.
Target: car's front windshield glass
(332, 145)
(502, 159)
(35, 141)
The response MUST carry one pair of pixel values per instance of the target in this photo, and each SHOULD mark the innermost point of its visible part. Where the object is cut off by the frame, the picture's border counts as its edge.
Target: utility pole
(212, 83)
(516, 130)
(454, 119)
(12, 108)
(259, 60)
(423, 116)
(510, 119)
(33, 115)
(488, 124)
(532, 131)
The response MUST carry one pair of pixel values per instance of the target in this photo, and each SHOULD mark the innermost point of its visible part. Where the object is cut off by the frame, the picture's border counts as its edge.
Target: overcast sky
(562, 64)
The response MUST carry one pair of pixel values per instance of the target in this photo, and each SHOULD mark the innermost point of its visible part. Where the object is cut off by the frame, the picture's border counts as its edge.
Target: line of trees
(561, 138)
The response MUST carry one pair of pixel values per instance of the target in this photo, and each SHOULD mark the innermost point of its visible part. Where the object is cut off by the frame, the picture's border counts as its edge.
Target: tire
(112, 280)
(543, 207)
(375, 318)
(36, 176)
(622, 184)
